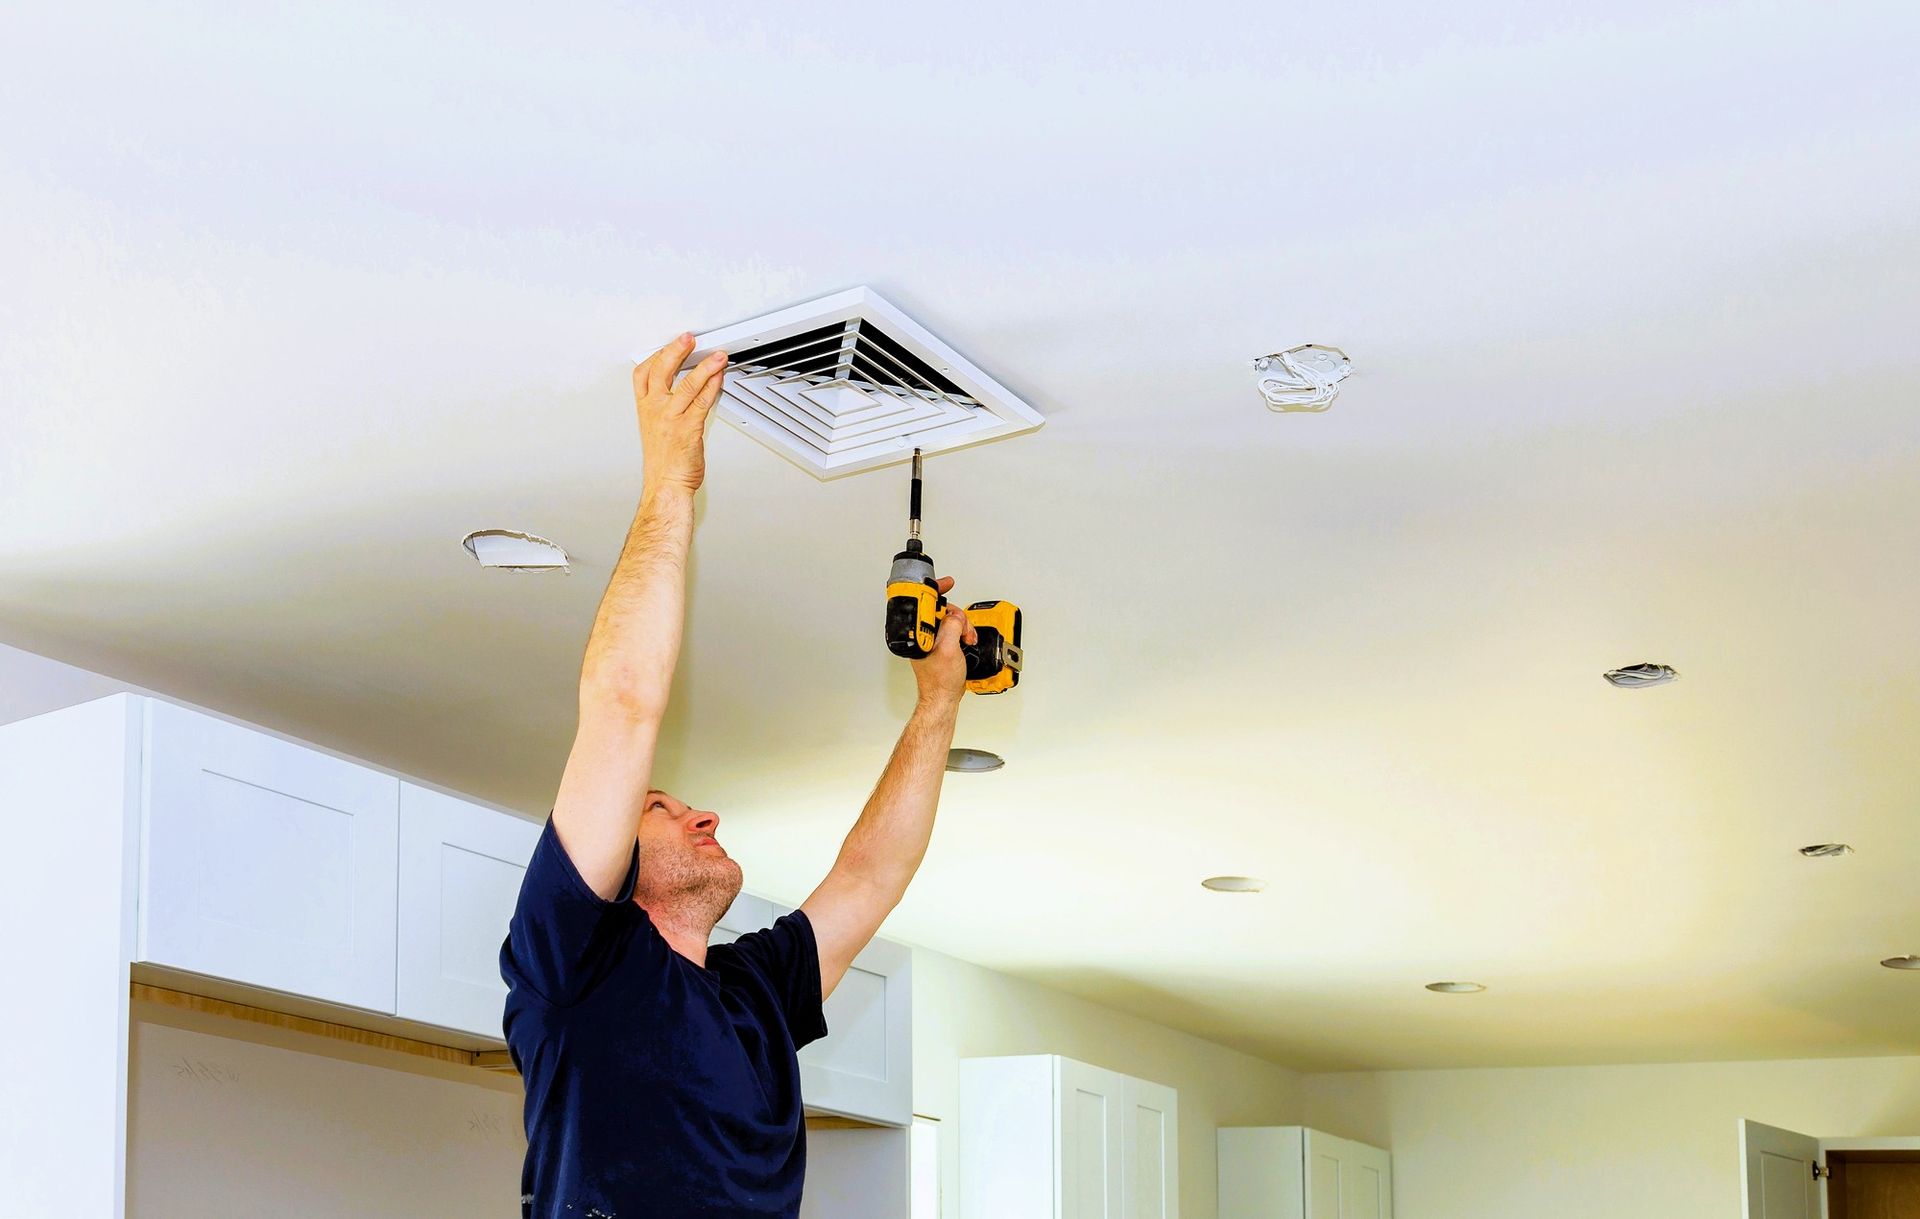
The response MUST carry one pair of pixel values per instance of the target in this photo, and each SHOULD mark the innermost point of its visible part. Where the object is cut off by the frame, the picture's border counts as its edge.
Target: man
(660, 1073)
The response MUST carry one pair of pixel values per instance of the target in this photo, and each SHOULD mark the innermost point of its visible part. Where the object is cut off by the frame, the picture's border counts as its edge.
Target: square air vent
(849, 383)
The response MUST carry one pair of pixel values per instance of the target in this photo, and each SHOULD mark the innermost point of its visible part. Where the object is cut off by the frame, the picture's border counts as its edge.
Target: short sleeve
(787, 959)
(562, 932)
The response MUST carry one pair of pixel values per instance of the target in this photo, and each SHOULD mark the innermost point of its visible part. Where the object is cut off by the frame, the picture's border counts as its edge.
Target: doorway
(1789, 1175)
(1873, 1184)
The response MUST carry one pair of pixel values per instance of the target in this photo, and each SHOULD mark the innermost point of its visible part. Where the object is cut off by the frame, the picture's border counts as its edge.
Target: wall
(227, 1120)
(965, 1011)
(31, 684)
(1599, 1142)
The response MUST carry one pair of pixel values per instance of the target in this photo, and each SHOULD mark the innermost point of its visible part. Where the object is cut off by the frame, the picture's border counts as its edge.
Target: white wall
(31, 684)
(964, 1011)
(1599, 1142)
(221, 1125)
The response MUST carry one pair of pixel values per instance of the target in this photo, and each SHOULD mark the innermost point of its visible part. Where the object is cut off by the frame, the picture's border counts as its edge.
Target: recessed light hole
(1234, 884)
(973, 761)
(1636, 677)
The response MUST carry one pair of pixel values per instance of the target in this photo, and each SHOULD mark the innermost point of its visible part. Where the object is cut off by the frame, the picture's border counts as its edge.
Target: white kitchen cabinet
(1149, 1116)
(460, 870)
(281, 877)
(863, 1067)
(1294, 1172)
(1045, 1137)
(266, 862)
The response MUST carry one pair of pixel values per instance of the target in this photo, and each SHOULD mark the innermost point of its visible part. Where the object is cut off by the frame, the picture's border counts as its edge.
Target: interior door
(1345, 1179)
(1776, 1177)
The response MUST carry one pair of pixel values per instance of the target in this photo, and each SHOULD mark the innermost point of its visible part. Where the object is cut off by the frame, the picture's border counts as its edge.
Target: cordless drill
(915, 607)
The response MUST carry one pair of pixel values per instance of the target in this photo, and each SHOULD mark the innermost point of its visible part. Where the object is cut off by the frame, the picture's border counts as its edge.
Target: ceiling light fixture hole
(511, 550)
(1826, 850)
(973, 761)
(1234, 884)
(1640, 676)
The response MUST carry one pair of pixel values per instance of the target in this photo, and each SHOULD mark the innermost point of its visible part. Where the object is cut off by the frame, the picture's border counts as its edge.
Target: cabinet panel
(1151, 1152)
(1345, 1179)
(460, 871)
(1092, 1130)
(266, 862)
(1323, 1187)
(1044, 1137)
(863, 1067)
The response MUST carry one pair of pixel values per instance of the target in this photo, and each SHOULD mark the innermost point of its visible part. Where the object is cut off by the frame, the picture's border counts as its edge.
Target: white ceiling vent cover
(849, 383)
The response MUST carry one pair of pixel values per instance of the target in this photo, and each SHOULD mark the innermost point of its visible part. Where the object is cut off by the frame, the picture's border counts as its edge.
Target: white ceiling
(1630, 290)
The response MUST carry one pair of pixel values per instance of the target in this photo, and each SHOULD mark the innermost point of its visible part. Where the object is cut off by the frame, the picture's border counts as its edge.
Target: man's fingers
(957, 627)
(944, 584)
(654, 374)
(698, 378)
(704, 399)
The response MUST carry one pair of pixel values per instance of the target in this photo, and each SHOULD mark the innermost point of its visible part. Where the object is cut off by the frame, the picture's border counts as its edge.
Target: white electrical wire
(1303, 378)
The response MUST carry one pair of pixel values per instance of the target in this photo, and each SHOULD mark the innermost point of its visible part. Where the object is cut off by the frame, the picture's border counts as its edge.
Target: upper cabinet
(266, 862)
(1149, 1127)
(1294, 1172)
(460, 870)
(863, 1067)
(270, 864)
(1045, 1137)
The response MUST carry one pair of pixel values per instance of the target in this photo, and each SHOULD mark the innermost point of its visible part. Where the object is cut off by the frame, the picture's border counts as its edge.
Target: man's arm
(885, 847)
(635, 642)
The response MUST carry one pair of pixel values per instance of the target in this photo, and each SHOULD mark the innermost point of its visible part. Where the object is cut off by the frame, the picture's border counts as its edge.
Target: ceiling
(1630, 293)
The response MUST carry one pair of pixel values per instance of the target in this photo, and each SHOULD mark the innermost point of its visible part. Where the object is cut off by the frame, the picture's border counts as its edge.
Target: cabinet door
(1347, 1180)
(266, 862)
(1150, 1151)
(1091, 1137)
(863, 1067)
(460, 872)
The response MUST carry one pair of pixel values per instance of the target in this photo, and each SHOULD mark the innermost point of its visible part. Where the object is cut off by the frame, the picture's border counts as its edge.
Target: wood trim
(491, 1060)
(494, 1060)
(827, 1121)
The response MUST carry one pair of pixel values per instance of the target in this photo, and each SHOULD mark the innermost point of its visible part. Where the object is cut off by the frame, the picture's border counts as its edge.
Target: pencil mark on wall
(204, 1071)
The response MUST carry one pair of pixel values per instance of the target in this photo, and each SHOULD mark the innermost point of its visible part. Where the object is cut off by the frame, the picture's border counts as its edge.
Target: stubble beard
(696, 889)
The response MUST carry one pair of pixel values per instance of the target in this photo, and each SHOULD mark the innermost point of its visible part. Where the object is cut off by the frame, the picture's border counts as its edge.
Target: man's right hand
(673, 418)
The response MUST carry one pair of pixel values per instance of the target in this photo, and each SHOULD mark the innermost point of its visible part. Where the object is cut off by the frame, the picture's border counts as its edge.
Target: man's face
(683, 867)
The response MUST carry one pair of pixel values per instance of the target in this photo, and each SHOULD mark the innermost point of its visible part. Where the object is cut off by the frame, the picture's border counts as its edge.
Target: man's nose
(704, 823)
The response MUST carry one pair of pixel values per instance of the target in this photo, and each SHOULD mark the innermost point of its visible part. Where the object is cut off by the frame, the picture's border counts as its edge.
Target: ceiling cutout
(848, 383)
(1303, 378)
(973, 761)
(511, 550)
(1640, 676)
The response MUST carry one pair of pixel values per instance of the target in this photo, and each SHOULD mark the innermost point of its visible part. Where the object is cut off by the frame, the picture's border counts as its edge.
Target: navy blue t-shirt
(656, 1089)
